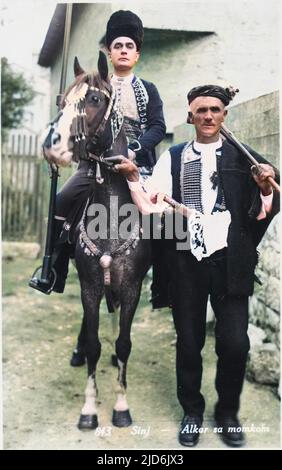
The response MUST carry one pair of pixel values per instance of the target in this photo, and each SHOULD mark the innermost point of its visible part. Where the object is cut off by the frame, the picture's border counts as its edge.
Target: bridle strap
(101, 127)
(79, 128)
(105, 92)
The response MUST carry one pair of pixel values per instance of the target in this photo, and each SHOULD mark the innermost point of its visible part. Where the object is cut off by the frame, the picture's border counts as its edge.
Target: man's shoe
(231, 430)
(189, 430)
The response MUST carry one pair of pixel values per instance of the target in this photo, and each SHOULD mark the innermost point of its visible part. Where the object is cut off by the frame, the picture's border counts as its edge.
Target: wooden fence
(23, 144)
(25, 197)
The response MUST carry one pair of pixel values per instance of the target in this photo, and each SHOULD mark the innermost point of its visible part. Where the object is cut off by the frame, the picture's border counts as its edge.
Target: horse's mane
(92, 79)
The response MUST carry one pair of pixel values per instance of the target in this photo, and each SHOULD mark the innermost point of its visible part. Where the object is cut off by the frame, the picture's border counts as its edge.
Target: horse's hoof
(87, 422)
(114, 360)
(121, 419)
(77, 359)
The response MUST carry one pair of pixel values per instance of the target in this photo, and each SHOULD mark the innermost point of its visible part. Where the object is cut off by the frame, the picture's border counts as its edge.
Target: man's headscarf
(224, 94)
(125, 23)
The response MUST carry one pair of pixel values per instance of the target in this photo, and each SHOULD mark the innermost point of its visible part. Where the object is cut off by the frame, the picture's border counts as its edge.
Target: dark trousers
(76, 189)
(193, 282)
(79, 186)
(69, 201)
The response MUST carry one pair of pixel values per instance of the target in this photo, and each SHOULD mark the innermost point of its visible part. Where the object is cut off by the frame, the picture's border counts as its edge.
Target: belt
(216, 257)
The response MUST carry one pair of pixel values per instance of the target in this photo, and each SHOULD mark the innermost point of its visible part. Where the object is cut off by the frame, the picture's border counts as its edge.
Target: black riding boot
(60, 263)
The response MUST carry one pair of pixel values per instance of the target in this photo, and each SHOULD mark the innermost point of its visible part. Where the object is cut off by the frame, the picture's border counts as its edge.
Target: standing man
(230, 208)
(144, 127)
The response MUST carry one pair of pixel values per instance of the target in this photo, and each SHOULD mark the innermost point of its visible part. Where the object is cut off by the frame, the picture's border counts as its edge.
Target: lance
(233, 140)
(54, 173)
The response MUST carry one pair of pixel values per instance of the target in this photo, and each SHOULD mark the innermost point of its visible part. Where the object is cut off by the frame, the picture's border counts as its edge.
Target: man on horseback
(144, 124)
(111, 258)
(231, 208)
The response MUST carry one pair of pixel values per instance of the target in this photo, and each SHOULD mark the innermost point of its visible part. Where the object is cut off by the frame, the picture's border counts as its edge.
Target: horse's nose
(52, 138)
(56, 137)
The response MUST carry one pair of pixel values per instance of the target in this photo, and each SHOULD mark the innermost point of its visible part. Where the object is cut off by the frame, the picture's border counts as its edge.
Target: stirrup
(44, 287)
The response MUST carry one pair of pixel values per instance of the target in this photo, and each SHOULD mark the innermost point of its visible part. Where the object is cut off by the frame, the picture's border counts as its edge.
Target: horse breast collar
(106, 259)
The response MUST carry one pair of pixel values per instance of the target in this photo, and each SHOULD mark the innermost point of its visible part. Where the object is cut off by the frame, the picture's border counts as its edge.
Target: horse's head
(88, 120)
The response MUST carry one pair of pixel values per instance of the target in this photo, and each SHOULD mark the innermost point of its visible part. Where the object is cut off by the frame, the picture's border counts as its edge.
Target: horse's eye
(95, 99)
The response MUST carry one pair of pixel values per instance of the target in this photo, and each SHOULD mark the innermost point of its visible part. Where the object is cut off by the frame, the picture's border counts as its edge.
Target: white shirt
(125, 95)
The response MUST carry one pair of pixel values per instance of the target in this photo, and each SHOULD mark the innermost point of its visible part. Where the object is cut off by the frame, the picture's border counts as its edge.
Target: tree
(16, 93)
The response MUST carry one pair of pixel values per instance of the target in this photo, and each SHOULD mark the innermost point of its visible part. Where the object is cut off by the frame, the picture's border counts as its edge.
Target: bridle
(88, 147)
(79, 130)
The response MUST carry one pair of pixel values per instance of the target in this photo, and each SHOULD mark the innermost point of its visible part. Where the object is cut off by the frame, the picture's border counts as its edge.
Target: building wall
(242, 51)
(256, 122)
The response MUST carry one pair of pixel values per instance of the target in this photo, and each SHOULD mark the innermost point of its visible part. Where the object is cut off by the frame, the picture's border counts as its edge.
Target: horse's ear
(76, 68)
(103, 66)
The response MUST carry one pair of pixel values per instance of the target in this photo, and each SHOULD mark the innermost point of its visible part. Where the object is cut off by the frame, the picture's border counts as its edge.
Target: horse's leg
(91, 302)
(79, 353)
(114, 324)
(129, 302)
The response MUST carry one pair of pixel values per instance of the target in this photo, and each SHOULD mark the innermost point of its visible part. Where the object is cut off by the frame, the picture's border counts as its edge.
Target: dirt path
(43, 395)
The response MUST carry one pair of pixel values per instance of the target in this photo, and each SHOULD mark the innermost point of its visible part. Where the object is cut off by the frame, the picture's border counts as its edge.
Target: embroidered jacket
(149, 127)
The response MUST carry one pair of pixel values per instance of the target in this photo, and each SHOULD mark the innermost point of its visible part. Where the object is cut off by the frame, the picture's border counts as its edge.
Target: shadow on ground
(43, 395)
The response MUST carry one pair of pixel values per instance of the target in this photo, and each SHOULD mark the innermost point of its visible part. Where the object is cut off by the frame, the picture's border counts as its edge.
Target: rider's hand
(127, 169)
(56, 157)
(260, 174)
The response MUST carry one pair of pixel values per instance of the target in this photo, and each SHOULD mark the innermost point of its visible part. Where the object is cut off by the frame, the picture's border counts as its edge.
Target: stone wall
(256, 123)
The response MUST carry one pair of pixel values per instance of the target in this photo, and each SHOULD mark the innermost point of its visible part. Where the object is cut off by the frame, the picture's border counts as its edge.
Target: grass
(43, 395)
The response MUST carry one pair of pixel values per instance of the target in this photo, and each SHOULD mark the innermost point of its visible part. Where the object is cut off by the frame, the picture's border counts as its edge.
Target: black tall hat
(125, 23)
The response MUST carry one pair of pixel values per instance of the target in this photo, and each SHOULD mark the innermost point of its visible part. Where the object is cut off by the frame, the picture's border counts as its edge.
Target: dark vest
(176, 152)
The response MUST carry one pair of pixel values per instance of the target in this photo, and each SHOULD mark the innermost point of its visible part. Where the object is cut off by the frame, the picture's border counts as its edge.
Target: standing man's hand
(260, 174)
(128, 169)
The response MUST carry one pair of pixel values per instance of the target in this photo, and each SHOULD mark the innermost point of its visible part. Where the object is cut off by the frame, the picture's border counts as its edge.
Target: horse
(89, 125)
